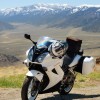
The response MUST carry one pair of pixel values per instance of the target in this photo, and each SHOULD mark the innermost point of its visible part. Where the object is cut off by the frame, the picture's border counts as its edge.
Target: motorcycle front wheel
(30, 89)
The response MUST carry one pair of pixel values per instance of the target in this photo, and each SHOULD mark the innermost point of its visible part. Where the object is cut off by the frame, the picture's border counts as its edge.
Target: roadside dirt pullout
(91, 93)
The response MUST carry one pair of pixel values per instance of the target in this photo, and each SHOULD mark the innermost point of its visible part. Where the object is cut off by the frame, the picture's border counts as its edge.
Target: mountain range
(55, 15)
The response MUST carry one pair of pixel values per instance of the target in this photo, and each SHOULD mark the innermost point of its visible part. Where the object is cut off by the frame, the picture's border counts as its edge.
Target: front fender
(35, 73)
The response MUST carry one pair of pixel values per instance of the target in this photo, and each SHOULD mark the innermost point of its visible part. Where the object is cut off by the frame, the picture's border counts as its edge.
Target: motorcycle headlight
(30, 54)
(41, 57)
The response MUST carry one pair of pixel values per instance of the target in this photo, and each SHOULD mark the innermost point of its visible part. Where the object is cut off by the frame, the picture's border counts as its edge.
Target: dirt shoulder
(91, 93)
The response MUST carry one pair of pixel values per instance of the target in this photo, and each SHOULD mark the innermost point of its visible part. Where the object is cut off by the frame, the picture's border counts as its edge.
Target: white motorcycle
(52, 66)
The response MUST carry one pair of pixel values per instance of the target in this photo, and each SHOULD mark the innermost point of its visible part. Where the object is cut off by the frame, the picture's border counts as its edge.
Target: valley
(12, 42)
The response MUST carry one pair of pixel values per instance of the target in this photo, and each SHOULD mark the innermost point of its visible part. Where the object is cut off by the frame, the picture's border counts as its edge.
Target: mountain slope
(5, 26)
(53, 15)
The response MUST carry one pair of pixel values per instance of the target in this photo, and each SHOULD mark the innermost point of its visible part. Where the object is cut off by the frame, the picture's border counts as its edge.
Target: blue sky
(19, 3)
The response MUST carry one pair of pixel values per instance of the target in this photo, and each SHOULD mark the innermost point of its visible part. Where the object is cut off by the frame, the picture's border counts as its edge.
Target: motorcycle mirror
(27, 36)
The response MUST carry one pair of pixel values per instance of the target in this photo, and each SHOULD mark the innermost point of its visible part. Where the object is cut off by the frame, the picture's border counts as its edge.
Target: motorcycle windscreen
(86, 65)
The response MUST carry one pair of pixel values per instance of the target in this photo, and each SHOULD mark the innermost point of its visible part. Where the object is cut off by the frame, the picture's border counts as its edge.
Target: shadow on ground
(72, 97)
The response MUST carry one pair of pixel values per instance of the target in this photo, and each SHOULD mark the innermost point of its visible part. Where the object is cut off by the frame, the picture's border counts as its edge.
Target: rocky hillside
(7, 60)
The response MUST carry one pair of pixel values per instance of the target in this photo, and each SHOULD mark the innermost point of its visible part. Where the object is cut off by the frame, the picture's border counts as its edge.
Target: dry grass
(13, 70)
(90, 80)
(13, 76)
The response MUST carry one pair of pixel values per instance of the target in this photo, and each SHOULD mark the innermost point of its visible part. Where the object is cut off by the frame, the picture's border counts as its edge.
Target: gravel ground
(92, 93)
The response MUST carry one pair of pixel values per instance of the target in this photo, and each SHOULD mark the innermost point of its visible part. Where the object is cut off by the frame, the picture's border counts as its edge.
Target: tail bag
(74, 45)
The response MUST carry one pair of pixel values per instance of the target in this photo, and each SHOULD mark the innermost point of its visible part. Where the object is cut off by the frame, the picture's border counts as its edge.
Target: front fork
(35, 86)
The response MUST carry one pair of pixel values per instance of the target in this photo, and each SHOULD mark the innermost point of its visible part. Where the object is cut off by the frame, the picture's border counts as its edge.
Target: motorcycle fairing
(45, 79)
(51, 64)
(75, 60)
(35, 73)
(54, 78)
(52, 89)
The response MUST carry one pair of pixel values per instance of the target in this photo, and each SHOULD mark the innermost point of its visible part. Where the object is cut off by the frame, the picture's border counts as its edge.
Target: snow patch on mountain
(86, 5)
(98, 10)
(43, 8)
(36, 7)
(75, 10)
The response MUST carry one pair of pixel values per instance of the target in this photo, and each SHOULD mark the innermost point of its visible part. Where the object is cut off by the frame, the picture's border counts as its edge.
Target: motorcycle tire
(26, 91)
(66, 89)
(67, 86)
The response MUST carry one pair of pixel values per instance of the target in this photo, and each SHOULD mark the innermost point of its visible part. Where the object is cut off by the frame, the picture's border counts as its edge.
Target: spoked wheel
(30, 88)
(67, 84)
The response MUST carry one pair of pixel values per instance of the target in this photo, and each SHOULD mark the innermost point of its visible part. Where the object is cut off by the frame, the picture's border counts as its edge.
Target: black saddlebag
(74, 45)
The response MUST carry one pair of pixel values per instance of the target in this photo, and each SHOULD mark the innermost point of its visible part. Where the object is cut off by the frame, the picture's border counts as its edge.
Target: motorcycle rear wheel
(67, 86)
(66, 89)
(28, 91)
